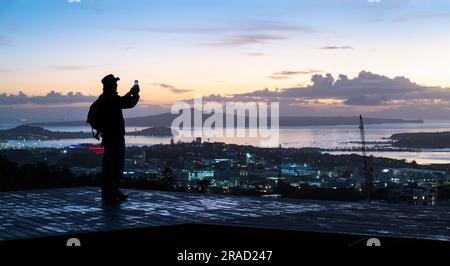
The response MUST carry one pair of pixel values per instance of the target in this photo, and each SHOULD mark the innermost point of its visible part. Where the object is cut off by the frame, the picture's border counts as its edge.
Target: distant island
(422, 140)
(153, 132)
(29, 132)
(165, 120)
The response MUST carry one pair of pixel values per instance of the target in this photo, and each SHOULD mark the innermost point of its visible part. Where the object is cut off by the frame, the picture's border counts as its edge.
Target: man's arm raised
(130, 99)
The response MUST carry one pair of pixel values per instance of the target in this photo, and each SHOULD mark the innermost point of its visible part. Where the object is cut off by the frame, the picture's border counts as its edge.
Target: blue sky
(185, 47)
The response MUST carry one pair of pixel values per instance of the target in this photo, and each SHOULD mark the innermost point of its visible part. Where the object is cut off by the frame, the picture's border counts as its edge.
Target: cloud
(260, 33)
(366, 88)
(287, 74)
(245, 33)
(72, 67)
(183, 30)
(247, 39)
(367, 93)
(172, 88)
(50, 98)
(51, 113)
(255, 54)
(74, 1)
(247, 27)
(345, 96)
(366, 100)
(344, 47)
(275, 26)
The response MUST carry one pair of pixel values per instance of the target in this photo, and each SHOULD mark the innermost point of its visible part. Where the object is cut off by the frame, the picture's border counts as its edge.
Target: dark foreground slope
(181, 220)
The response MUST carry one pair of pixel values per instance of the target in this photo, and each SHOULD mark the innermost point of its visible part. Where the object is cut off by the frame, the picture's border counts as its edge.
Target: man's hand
(135, 89)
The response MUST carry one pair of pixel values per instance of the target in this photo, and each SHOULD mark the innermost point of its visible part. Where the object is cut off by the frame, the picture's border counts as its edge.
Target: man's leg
(107, 167)
(119, 158)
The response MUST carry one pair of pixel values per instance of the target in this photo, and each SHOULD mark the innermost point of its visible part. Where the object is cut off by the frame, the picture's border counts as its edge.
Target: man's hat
(110, 79)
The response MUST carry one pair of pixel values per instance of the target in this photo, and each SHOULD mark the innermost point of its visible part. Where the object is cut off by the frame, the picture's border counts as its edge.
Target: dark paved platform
(62, 212)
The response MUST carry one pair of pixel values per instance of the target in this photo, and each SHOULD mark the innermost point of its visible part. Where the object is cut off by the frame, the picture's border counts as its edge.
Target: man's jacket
(114, 124)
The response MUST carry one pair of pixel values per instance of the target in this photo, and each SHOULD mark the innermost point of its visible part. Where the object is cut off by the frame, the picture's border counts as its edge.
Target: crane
(368, 171)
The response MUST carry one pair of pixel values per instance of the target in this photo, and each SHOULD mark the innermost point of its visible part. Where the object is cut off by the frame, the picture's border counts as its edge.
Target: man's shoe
(121, 197)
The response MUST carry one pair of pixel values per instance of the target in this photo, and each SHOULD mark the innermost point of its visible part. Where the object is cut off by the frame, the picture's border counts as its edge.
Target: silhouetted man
(113, 136)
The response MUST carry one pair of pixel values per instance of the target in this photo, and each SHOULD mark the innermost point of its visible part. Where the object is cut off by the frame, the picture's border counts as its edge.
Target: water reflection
(323, 137)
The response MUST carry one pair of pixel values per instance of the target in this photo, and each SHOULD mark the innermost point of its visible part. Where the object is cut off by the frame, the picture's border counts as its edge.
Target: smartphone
(136, 82)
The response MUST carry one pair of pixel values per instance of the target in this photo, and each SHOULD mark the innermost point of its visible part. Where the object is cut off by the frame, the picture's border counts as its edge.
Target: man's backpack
(95, 117)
